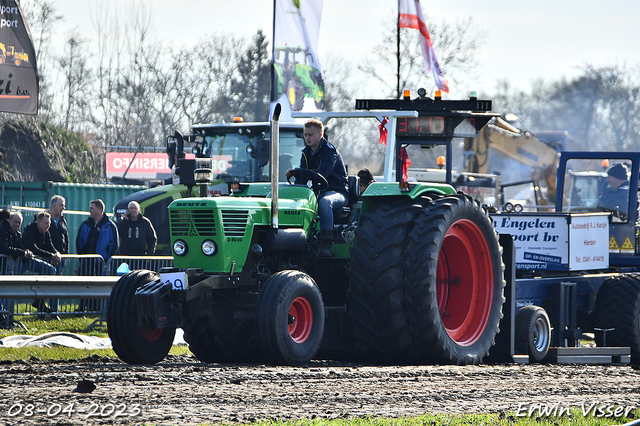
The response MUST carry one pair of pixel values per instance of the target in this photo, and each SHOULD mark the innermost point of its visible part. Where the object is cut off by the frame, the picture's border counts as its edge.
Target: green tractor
(297, 78)
(416, 275)
(239, 152)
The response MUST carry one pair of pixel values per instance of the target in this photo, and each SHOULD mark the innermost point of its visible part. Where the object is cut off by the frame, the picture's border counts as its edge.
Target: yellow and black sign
(613, 244)
(627, 245)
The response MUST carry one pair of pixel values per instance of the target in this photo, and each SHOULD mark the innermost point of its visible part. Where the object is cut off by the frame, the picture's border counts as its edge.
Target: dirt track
(185, 392)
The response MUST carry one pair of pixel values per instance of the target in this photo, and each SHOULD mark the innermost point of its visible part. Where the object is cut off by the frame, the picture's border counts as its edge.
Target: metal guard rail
(56, 286)
(70, 286)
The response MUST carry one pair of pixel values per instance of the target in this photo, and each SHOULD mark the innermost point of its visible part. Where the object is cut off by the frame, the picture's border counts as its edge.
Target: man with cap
(615, 197)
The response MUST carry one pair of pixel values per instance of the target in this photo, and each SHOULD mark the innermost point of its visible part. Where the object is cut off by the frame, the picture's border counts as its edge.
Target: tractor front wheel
(134, 344)
(290, 318)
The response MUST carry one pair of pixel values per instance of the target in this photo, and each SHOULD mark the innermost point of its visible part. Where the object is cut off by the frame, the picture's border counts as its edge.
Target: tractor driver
(615, 197)
(323, 158)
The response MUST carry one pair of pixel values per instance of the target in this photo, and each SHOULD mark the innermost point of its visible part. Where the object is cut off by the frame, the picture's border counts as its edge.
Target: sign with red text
(589, 237)
(143, 166)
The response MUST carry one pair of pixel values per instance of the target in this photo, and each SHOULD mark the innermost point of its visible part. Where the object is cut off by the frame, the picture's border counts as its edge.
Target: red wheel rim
(151, 334)
(464, 282)
(300, 320)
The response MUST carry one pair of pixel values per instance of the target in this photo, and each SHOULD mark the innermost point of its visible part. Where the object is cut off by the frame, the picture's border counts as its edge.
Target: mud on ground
(183, 391)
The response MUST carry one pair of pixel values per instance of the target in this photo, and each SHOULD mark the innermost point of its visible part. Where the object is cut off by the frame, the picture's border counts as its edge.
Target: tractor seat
(342, 216)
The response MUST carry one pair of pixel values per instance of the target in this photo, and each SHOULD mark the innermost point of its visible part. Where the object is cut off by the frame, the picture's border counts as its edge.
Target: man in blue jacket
(323, 158)
(96, 235)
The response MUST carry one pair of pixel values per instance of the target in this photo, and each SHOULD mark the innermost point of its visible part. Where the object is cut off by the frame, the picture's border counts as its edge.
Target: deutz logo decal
(192, 230)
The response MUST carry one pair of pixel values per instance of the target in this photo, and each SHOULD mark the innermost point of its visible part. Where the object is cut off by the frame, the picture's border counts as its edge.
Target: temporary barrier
(32, 197)
(83, 287)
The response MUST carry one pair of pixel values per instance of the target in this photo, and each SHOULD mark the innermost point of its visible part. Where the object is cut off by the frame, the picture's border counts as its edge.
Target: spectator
(4, 303)
(96, 235)
(59, 230)
(323, 158)
(365, 179)
(59, 236)
(36, 238)
(137, 236)
(20, 258)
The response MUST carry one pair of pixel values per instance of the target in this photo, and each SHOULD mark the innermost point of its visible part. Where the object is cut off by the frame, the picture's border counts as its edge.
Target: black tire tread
(375, 297)
(122, 326)
(274, 341)
(199, 334)
(431, 343)
(618, 306)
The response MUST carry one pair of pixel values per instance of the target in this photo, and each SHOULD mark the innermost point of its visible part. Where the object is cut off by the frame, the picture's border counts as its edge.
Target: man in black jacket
(137, 235)
(59, 230)
(20, 259)
(37, 239)
(323, 158)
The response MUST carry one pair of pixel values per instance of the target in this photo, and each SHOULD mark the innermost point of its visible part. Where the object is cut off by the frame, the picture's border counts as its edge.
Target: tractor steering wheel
(318, 181)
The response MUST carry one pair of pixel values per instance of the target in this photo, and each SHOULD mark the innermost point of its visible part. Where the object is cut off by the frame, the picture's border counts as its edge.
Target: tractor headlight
(180, 248)
(209, 248)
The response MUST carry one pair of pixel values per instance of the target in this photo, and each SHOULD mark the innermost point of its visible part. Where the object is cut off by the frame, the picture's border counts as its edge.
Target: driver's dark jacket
(616, 200)
(327, 162)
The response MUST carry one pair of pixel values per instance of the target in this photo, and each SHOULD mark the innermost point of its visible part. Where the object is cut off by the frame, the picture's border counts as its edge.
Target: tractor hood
(232, 223)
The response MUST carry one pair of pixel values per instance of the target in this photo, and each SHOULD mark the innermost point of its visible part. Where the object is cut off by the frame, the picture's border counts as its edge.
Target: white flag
(297, 83)
(410, 16)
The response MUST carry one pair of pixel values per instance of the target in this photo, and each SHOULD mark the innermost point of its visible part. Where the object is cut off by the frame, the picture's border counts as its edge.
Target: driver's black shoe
(325, 240)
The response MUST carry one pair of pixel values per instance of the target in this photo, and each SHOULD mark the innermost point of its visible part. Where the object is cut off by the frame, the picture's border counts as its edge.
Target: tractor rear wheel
(134, 344)
(199, 334)
(290, 318)
(533, 332)
(618, 307)
(375, 295)
(454, 284)
(233, 324)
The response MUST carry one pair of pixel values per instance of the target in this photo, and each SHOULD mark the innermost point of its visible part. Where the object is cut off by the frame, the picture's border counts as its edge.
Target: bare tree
(456, 46)
(78, 79)
(599, 108)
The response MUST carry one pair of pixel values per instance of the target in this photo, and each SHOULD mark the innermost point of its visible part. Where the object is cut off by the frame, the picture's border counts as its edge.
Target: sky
(524, 40)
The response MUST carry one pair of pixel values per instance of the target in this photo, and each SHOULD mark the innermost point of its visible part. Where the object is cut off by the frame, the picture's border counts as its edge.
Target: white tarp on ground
(70, 340)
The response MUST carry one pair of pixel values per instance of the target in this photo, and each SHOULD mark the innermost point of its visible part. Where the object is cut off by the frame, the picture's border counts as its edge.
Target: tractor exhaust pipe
(275, 157)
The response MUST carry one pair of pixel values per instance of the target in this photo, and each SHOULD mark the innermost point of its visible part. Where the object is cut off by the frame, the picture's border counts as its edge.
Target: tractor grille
(234, 222)
(186, 223)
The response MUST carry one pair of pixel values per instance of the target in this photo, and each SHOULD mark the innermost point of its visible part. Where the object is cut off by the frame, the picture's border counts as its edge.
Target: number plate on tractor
(178, 280)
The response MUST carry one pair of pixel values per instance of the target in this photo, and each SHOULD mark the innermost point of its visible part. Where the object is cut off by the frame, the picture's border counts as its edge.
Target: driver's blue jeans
(327, 203)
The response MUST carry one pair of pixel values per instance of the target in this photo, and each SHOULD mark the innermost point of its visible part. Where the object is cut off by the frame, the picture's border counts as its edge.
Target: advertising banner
(152, 165)
(144, 166)
(298, 84)
(18, 70)
(558, 242)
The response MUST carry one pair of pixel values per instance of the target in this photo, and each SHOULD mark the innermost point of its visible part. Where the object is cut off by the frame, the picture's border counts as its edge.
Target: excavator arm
(520, 145)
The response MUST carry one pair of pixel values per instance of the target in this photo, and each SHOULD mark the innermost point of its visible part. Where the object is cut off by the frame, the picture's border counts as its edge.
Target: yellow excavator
(540, 151)
(8, 53)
